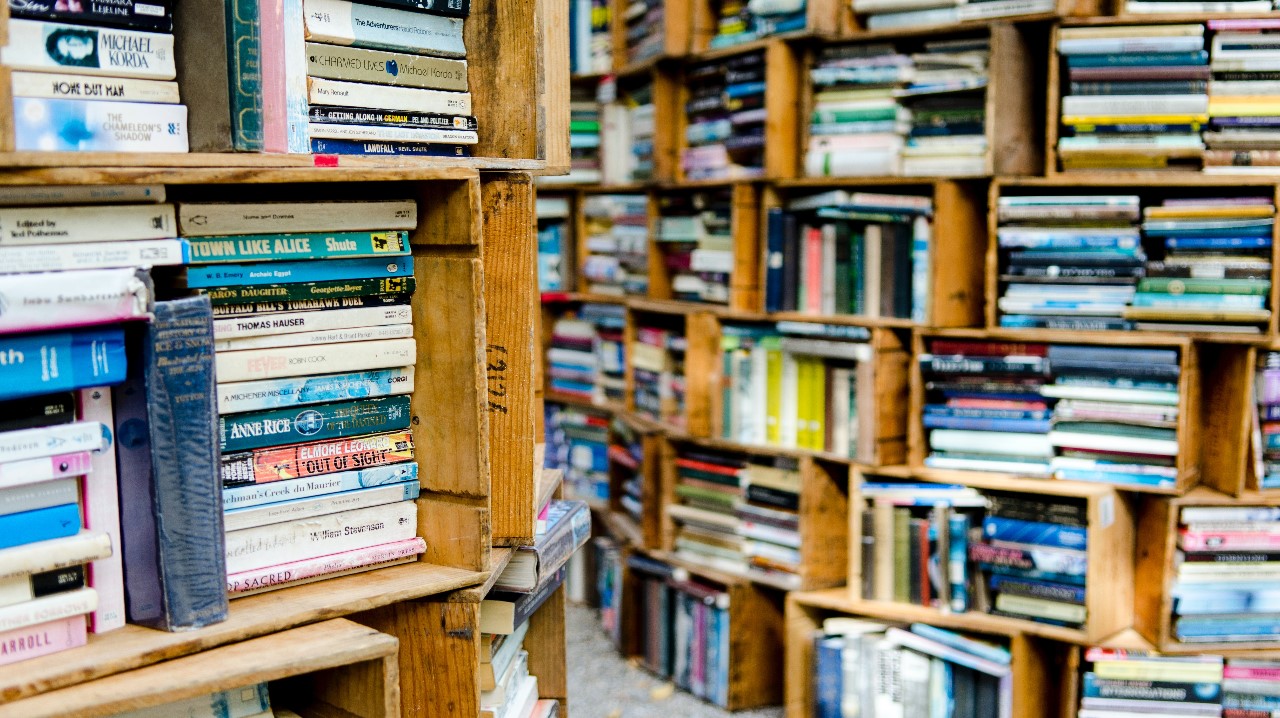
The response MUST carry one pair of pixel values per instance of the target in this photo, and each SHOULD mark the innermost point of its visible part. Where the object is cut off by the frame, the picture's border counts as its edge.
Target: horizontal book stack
(315, 362)
(1267, 420)
(684, 628)
(508, 689)
(585, 359)
(858, 253)
(244, 702)
(725, 110)
(641, 126)
(1177, 7)
(590, 37)
(578, 445)
(1244, 99)
(890, 14)
(95, 77)
(1119, 683)
(563, 528)
(738, 516)
(740, 21)
(626, 466)
(1038, 527)
(336, 77)
(554, 266)
(657, 364)
(584, 138)
(617, 244)
(798, 386)
(916, 670)
(1136, 97)
(646, 24)
(1227, 582)
(696, 241)
(1083, 413)
(1250, 687)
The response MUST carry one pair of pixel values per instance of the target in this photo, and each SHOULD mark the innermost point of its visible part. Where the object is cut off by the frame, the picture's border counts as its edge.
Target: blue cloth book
(1041, 533)
(27, 527)
(222, 275)
(828, 676)
(32, 364)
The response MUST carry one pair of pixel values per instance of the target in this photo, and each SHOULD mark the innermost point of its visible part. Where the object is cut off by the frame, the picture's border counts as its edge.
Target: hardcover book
(32, 364)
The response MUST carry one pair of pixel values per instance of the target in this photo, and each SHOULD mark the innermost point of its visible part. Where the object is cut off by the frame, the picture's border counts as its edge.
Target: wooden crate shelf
(744, 290)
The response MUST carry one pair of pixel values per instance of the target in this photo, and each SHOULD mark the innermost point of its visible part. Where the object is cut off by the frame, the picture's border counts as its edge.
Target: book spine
(243, 497)
(316, 459)
(50, 608)
(337, 245)
(42, 124)
(42, 639)
(182, 417)
(568, 535)
(1035, 532)
(33, 303)
(242, 432)
(138, 549)
(331, 336)
(264, 578)
(311, 321)
(957, 561)
(39, 525)
(67, 257)
(391, 118)
(449, 8)
(298, 131)
(365, 133)
(239, 397)
(150, 16)
(276, 544)
(1037, 589)
(244, 60)
(46, 468)
(53, 440)
(338, 22)
(921, 272)
(285, 362)
(58, 86)
(217, 275)
(260, 309)
(300, 291)
(53, 555)
(275, 513)
(45, 46)
(377, 147)
(335, 62)
(529, 603)
(101, 501)
(381, 97)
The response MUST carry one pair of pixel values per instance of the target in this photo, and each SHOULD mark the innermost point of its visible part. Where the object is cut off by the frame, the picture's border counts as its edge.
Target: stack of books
(1267, 420)
(617, 244)
(646, 30)
(724, 136)
(859, 253)
(507, 688)
(1032, 524)
(590, 37)
(907, 531)
(890, 14)
(1227, 581)
(555, 272)
(798, 386)
(573, 365)
(95, 77)
(696, 240)
(626, 462)
(1123, 683)
(563, 528)
(1069, 262)
(641, 127)
(315, 364)
(1244, 100)
(738, 516)
(243, 702)
(657, 365)
(739, 21)
(1250, 687)
(578, 445)
(916, 670)
(610, 322)
(1137, 97)
(1211, 269)
(584, 138)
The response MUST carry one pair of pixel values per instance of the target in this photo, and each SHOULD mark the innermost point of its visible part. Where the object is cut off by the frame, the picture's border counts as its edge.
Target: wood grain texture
(746, 292)
(229, 161)
(755, 642)
(503, 68)
(1153, 569)
(458, 531)
(701, 372)
(546, 647)
(553, 86)
(1013, 94)
(1226, 415)
(824, 525)
(448, 213)
(801, 624)
(959, 252)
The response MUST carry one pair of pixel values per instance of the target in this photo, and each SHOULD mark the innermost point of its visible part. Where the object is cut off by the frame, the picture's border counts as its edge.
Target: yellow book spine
(818, 407)
(804, 401)
(1191, 212)
(1094, 120)
(773, 402)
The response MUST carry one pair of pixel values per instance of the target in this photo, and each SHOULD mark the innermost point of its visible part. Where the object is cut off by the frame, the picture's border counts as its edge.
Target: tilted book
(60, 86)
(274, 393)
(276, 544)
(86, 50)
(338, 22)
(32, 302)
(379, 97)
(98, 126)
(66, 225)
(205, 219)
(380, 67)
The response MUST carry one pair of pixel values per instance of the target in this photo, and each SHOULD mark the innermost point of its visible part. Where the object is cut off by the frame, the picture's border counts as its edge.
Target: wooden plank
(545, 643)
(755, 642)
(782, 107)
(457, 530)
(1153, 569)
(701, 370)
(801, 623)
(448, 213)
(891, 399)
(824, 526)
(133, 646)
(498, 560)
(553, 86)
(745, 289)
(371, 688)
(1013, 125)
(503, 71)
(230, 161)
(510, 304)
(229, 176)
(1226, 415)
(288, 653)
(1109, 576)
(959, 250)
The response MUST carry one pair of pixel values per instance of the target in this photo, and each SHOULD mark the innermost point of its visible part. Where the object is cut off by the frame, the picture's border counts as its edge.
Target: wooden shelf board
(225, 175)
(1121, 336)
(621, 525)
(645, 66)
(593, 187)
(717, 575)
(1134, 178)
(548, 481)
(850, 320)
(756, 45)
(867, 181)
(257, 160)
(672, 186)
(308, 649)
(134, 646)
(992, 481)
(1056, 337)
(558, 398)
(499, 557)
(943, 29)
(757, 449)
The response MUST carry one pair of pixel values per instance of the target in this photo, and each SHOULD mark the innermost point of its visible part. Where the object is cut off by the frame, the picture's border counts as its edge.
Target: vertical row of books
(724, 136)
(578, 445)
(695, 237)
(315, 364)
(911, 670)
(798, 386)
(627, 468)
(555, 257)
(860, 253)
(646, 30)
(108, 422)
(657, 367)
(684, 628)
(638, 141)
(94, 77)
(585, 152)
(590, 37)
(738, 516)
(881, 111)
(338, 77)
(617, 244)
(609, 563)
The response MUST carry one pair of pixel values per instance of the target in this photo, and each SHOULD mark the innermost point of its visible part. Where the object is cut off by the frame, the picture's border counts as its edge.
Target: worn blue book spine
(1218, 242)
(1116, 477)
(369, 147)
(775, 238)
(828, 677)
(958, 562)
(187, 501)
(220, 275)
(921, 268)
(144, 603)
(274, 427)
(32, 364)
(300, 391)
(1026, 426)
(278, 247)
(44, 524)
(1040, 533)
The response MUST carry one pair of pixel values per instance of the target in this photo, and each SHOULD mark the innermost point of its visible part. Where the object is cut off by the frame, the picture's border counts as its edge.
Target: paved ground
(603, 685)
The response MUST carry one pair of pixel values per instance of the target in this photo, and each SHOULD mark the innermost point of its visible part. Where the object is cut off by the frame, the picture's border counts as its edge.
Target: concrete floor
(603, 685)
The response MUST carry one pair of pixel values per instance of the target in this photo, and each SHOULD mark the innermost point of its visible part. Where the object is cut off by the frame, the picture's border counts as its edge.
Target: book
(81, 298)
(322, 91)
(51, 124)
(569, 526)
(152, 15)
(216, 275)
(263, 309)
(322, 146)
(315, 459)
(50, 46)
(284, 362)
(338, 22)
(382, 133)
(27, 196)
(39, 525)
(248, 327)
(335, 420)
(48, 608)
(59, 86)
(66, 257)
(502, 612)
(64, 225)
(101, 504)
(42, 639)
(303, 508)
(246, 702)
(204, 219)
(335, 62)
(47, 441)
(258, 248)
(291, 574)
(324, 336)
(275, 544)
(45, 468)
(299, 291)
(54, 554)
(390, 118)
(42, 495)
(248, 496)
(299, 391)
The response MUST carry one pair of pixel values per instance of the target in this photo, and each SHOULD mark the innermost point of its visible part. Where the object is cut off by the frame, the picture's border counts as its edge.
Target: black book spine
(773, 497)
(386, 118)
(447, 8)
(145, 15)
(57, 581)
(36, 411)
(790, 262)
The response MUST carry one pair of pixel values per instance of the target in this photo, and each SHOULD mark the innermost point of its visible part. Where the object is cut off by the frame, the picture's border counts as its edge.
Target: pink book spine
(1251, 673)
(42, 639)
(101, 499)
(48, 468)
(1218, 541)
(333, 563)
(275, 133)
(813, 267)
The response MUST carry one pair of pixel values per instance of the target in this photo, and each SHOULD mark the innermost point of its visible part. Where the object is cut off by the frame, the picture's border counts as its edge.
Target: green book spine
(901, 555)
(839, 116)
(717, 498)
(856, 260)
(1175, 285)
(844, 274)
(584, 126)
(711, 476)
(245, 75)
(267, 247)
(242, 294)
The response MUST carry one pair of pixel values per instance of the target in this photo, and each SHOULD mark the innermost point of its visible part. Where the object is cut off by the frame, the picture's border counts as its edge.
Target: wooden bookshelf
(744, 287)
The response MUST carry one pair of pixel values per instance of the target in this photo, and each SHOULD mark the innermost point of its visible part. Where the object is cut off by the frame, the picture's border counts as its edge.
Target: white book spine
(1003, 8)
(15, 590)
(45, 468)
(332, 336)
(37, 301)
(51, 46)
(101, 502)
(277, 544)
(394, 134)
(382, 97)
(295, 78)
(788, 413)
(338, 22)
(1120, 105)
(215, 219)
(346, 561)
(65, 225)
(305, 361)
(81, 87)
(297, 322)
(48, 608)
(54, 554)
(73, 195)
(106, 255)
(52, 440)
(239, 519)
